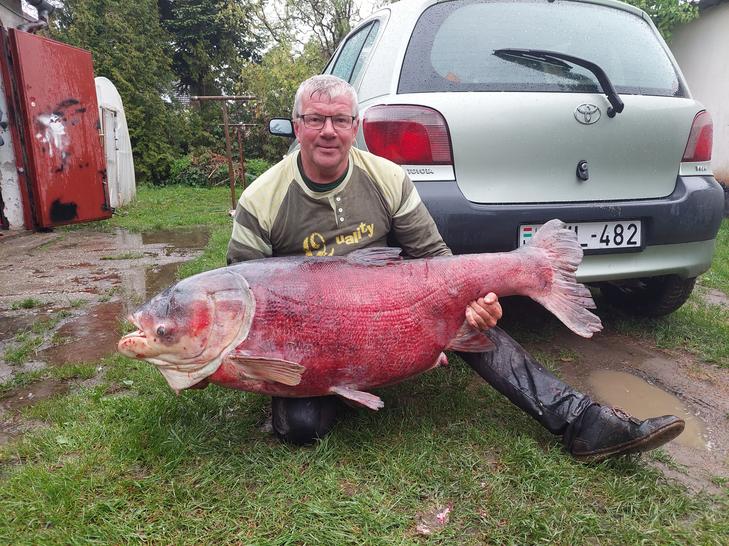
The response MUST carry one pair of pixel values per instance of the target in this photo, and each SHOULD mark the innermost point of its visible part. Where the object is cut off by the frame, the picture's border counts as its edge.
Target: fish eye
(161, 331)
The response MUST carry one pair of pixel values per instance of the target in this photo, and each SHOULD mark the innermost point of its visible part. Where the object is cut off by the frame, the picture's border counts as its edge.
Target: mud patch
(643, 400)
(701, 389)
(14, 322)
(159, 277)
(90, 336)
(715, 297)
(95, 279)
(60, 267)
(32, 394)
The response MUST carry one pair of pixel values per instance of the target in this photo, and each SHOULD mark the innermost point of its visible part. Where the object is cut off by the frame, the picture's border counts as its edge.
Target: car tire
(649, 297)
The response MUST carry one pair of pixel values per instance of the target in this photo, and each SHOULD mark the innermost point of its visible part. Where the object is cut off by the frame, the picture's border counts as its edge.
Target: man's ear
(295, 123)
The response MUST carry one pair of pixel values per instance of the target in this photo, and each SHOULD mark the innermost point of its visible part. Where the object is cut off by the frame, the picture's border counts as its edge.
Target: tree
(297, 22)
(210, 40)
(667, 14)
(274, 81)
(130, 48)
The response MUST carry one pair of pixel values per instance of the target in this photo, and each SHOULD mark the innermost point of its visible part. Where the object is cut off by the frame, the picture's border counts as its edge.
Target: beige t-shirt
(278, 215)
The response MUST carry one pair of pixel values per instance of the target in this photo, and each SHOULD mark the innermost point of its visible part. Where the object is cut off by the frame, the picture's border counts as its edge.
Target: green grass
(173, 206)
(697, 327)
(141, 464)
(718, 276)
(27, 303)
(129, 461)
(21, 379)
(26, 343)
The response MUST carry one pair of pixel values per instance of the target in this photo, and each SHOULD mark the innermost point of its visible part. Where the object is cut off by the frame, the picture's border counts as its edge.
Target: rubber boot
(590, 432)
(302, 421)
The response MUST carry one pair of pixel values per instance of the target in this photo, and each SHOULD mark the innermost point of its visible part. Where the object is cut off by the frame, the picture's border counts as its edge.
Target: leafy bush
(255, 168)
(206, 168)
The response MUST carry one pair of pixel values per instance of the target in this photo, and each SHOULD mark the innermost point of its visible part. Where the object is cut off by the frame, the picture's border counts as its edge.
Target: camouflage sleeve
(414, 227)
(249, 241)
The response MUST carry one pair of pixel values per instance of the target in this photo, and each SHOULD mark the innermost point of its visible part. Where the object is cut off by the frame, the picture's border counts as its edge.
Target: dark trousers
(527, 384)
(508, 368)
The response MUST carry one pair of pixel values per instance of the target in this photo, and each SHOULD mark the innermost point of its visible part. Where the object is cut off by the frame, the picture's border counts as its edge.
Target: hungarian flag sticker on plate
(596, 235)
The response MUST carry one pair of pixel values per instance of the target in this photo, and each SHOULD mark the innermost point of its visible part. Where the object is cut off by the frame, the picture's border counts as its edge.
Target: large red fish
(344, 325)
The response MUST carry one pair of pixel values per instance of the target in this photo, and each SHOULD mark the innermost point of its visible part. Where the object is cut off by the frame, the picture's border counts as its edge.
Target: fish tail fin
(566, 298)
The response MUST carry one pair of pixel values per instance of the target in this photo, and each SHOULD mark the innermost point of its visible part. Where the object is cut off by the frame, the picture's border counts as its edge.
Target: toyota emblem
(587, 114)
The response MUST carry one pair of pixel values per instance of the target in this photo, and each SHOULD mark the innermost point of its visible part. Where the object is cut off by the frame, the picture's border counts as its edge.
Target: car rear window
(452, 49)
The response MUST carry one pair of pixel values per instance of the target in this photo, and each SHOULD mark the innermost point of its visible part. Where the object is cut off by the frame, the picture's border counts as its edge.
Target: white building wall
(9, 186)
(701, 48)
(11, 15)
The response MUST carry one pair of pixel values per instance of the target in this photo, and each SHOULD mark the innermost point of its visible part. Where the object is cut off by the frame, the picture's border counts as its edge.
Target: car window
(453, 43)
(355, 52)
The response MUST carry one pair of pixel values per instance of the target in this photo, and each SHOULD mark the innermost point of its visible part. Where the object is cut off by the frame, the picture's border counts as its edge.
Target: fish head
(188, 329)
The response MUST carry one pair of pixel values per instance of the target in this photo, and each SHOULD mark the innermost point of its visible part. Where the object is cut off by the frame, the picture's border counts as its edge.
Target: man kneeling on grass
(331, 199)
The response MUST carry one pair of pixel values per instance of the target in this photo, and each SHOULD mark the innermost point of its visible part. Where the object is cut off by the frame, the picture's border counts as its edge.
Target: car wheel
(649, 297)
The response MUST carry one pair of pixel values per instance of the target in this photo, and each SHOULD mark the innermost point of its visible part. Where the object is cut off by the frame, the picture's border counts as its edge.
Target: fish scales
(343, 325)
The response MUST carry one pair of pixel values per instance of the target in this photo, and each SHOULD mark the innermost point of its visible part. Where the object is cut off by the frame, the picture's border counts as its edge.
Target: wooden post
(241, 156)
(229, 156)
(228, 153)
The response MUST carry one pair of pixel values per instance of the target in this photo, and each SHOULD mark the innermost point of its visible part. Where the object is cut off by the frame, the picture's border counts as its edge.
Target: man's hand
(485, 312)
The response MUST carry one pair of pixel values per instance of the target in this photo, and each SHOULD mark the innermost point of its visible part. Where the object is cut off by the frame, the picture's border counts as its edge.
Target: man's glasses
(317, 121)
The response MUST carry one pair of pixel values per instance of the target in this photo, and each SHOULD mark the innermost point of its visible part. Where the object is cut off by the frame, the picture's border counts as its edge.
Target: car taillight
(407, 135)
(701, 136)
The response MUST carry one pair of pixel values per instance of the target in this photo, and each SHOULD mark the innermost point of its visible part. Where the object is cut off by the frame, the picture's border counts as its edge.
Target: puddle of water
(32, 394)
(175, 239)
(644, 400)
(93, 335)
(13, 323)
(159, 277)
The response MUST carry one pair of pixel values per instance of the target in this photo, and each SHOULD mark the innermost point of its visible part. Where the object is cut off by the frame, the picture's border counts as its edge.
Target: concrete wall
(701, 48)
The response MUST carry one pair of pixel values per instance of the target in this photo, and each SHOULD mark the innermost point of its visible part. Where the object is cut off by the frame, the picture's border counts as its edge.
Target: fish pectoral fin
(270, 369)
(359, 398)
(470, 340)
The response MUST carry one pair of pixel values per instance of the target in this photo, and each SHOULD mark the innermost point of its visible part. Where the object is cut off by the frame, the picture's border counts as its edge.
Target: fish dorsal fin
(270, 369)
(470, 340)
(379, 255)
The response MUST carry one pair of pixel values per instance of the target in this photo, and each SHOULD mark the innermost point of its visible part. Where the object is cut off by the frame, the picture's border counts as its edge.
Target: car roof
(404, 7)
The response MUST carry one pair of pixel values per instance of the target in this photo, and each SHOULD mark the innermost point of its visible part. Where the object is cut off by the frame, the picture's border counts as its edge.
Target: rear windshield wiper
(557, 59)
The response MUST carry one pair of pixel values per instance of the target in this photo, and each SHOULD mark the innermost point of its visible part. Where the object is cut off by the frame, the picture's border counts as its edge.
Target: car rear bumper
(692, 213)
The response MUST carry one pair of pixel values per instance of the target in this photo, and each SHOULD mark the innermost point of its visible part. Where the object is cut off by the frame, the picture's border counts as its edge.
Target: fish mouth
(138, 332)
(131, 343)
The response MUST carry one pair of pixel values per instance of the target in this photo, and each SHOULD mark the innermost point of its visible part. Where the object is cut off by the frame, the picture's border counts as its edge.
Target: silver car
(507, 113)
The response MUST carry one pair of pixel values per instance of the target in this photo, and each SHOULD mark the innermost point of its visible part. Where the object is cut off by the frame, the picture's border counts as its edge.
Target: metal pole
(226, 125)
(241, 156)
(228, 154)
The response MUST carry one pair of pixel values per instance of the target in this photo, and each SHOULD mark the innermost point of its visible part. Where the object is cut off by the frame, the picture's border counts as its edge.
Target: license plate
(596, 235)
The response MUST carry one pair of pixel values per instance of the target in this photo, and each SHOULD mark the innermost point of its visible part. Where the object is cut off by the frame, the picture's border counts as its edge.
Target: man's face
(325, 151)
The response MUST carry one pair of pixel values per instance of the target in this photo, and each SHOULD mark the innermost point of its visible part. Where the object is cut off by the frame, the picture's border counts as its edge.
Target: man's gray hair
(327, 85)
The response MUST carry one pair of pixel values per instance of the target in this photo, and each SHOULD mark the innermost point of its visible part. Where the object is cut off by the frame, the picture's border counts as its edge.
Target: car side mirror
(281, 127)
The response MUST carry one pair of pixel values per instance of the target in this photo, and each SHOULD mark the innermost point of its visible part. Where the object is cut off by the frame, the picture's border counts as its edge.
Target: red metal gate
(57, 120)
